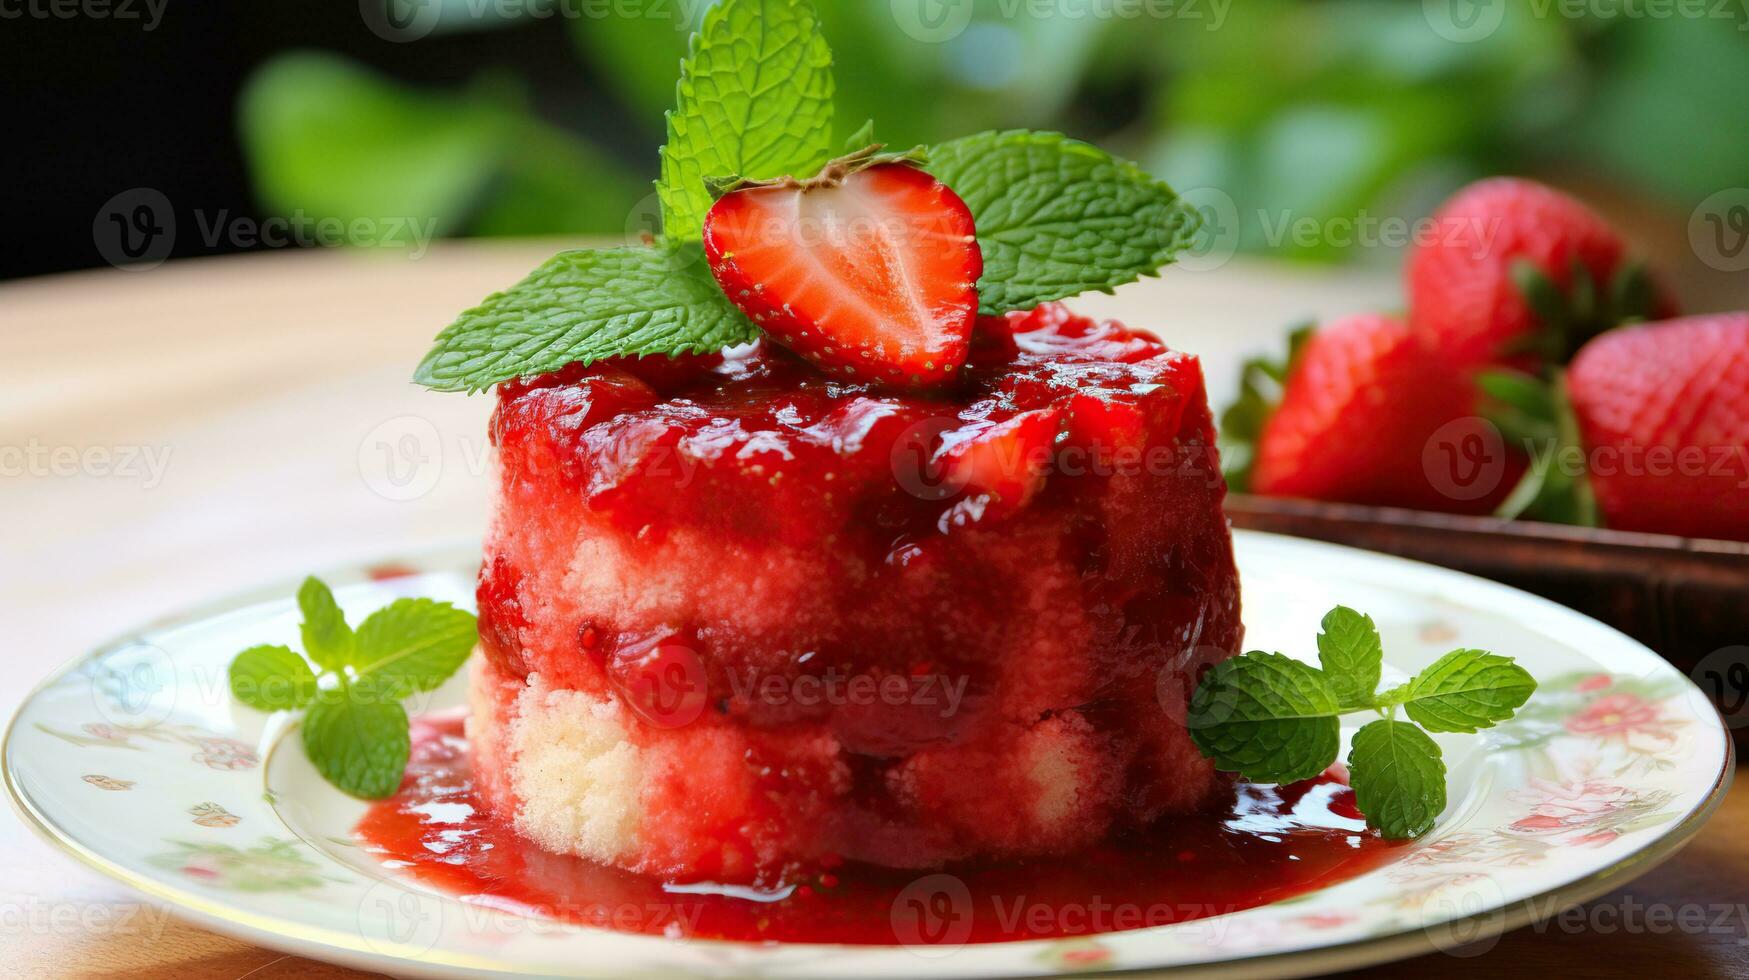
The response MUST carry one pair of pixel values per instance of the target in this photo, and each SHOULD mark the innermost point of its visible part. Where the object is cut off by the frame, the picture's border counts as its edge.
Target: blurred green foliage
(1296, 111)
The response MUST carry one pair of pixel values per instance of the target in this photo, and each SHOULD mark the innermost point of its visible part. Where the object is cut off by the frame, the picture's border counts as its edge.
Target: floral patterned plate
(136, 760)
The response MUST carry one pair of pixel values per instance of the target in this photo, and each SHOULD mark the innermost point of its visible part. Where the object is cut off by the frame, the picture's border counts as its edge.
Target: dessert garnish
(1273, 719)
(1054, 217)
(868, 270)
(355, 730)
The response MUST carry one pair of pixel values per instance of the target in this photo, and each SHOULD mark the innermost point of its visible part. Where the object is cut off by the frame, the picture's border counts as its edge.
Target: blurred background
(1310, 126)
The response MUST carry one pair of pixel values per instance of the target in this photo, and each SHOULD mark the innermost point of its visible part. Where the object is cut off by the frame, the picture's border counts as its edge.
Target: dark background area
(97, 107)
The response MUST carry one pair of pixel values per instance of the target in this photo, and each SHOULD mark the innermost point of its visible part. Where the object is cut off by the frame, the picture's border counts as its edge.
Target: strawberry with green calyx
(1647, 430)
(1363, 415)
(1519, 273)
(868, 269)
(1260, 386)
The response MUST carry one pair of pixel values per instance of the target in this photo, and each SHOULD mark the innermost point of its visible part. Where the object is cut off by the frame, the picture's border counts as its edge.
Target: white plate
(136, 760)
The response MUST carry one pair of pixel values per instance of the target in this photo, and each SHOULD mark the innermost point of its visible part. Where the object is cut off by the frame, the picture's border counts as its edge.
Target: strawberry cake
(740, 617)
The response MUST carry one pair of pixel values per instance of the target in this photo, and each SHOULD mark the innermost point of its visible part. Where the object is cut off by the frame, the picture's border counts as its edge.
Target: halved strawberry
(869, 270)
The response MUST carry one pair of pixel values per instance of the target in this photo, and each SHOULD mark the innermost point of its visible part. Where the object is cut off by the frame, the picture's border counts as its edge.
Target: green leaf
(1467, 690)
(1351, 653)
(1398, 778)
(1537, 415)
(1268, 717)
(414, 644)
(585, 305)
(755, 99)
(1056, 217)
(327, 638)
(272, 678)
(356, 736)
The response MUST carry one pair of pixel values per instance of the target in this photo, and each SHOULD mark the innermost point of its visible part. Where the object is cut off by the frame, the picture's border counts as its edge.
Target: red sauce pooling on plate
(1265, 845)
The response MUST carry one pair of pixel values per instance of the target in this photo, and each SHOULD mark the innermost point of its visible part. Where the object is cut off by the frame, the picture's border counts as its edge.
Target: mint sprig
(1054, 216)
(1057, 217)
(585, 305)
(754, 100)
(355, 730)
(1274, 719)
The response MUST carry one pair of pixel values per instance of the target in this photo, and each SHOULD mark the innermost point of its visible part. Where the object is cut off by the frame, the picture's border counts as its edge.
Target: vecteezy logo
(1464, 21)
(135, 229)
(396, 919)
(1217, 237)
(933, 21)
(933, 915)
(664, 685)
(400, 21)
(919, 465)
(1718, 230)
(1465, 459)
(1724, 676)
(401, 459)
(134, 686)
(1466, 918)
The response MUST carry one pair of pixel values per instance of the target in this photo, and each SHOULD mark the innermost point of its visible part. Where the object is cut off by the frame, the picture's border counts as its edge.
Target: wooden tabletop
(174, 435)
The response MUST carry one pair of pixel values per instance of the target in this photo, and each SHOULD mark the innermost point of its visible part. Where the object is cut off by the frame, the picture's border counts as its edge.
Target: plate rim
(298, 938)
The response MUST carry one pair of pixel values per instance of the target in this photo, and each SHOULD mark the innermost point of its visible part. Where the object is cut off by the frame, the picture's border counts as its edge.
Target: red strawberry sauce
(1263, 844)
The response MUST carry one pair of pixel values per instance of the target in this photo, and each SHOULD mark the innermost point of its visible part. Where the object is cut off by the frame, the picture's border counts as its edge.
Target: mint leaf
(356, 736)
(1267, 717)
(1465, 691)
(755, 99)
(327, 638)
(1398, 778)
(414, 644)
(1056, 217)
(585, 305)
(272, 678)
(1351, 653)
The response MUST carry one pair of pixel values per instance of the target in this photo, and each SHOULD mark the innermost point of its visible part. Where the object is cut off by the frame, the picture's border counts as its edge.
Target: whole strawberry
(1368, 415)
(1517, 272)
(1663, 411)
(869, 270)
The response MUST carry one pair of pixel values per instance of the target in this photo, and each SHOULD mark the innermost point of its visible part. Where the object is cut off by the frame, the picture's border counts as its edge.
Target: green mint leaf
(1268, 717)
(1467, 690)
(414, 645)
(583, 306)
(1398, 778)
(327, 638)
(755, 99)
(1056, 217)
(272, 678)
(1351, 653)
(356, 736)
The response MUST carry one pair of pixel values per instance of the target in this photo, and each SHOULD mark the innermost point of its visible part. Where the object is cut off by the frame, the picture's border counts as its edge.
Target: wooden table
(170, 436)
